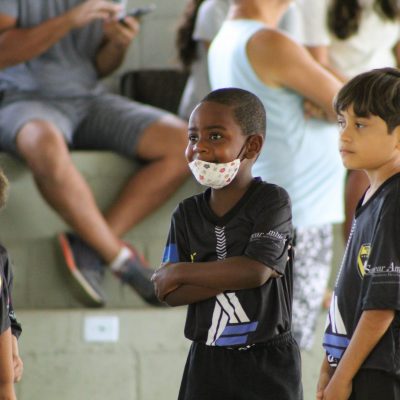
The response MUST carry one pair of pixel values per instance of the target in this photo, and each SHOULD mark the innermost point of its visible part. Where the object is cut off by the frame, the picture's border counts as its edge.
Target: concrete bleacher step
(29, 227)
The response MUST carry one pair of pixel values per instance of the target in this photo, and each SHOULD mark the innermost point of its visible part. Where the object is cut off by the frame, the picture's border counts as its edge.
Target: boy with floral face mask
(228, 256)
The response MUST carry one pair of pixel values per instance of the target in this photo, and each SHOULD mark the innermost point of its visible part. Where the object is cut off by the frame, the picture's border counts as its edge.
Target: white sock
(121, 257)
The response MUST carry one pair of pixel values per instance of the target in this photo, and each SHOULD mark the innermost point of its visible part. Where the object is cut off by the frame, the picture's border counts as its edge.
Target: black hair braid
(344, 15)
(344, 18)
(389, 9)
(185, 44)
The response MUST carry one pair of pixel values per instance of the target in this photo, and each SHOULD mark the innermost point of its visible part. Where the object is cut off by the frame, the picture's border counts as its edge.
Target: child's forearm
(371, 327)
(7, 392)
(325, 376)
(233, 273)
(188, 294)
(6, 360)
(18, 365)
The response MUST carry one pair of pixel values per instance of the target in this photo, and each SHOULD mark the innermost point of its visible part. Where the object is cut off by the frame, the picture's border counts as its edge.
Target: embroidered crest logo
(362, 258)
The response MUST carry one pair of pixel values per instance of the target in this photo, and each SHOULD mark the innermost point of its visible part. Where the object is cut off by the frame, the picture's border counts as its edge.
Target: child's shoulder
(189, 203)
(389, 192)
(271, 191)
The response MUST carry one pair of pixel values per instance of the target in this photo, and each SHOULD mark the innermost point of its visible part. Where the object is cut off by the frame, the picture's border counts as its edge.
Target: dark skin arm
(189, 294)
(199, 281)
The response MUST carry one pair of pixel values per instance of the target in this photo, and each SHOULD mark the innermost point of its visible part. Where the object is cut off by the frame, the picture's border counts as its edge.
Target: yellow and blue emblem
(362, 258)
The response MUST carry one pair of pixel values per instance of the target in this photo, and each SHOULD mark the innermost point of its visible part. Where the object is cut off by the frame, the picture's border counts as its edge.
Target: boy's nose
(200, 147)
(345, 135)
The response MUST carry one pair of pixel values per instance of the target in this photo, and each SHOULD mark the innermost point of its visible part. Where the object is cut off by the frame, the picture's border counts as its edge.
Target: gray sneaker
(85, 265)
(135, 273)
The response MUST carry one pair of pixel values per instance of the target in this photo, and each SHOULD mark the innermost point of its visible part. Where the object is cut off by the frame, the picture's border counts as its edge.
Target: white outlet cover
(101, 329)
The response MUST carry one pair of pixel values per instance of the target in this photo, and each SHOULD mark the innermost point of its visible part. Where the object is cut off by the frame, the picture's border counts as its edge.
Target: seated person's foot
(85, 266)
(134, 271)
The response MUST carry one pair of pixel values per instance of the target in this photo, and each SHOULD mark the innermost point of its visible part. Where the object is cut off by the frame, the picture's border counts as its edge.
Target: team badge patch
(362, 258)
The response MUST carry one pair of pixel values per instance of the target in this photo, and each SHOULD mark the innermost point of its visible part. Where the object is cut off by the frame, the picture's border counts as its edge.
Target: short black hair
(248, 110)
(376, 92)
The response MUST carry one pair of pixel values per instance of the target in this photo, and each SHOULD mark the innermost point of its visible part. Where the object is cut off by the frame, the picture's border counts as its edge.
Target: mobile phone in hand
(138, 12)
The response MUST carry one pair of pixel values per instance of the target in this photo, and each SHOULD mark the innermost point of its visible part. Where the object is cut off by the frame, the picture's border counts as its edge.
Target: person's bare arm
(18, 365)
(281, 62)
(233, 273)
(325, 376)
(19, 45)
(188, 294)
(118, 37)
(321, 55)
(371, 327)
(6, 367)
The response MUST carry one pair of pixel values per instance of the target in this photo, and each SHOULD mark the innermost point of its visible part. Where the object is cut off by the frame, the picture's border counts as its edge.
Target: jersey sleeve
(9, 7)
(8, 317)
(16, 328)
(210, 17)
(381, 282)
(4, 317)
(176, 246)
(272, 231)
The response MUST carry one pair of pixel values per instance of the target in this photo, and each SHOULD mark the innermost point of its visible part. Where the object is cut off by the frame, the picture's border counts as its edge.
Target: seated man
(52, 54)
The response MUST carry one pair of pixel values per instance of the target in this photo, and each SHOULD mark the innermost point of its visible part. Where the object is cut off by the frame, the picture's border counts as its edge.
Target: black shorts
(270, 371)
(370, 384)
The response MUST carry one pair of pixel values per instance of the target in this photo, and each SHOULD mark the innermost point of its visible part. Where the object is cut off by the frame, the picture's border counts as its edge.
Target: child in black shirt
(362, 338)
(11, 365)
(227, 257)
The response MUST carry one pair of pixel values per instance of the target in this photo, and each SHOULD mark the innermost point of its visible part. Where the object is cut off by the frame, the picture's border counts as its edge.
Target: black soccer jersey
(259, 227)
(7, 316)
(369, 279)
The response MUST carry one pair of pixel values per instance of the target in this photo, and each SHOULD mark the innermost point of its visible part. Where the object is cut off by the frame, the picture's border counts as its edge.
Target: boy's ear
(254, 145)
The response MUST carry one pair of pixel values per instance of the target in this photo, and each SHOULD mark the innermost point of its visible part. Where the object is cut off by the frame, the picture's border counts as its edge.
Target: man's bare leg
(43, 148)
(162, 146)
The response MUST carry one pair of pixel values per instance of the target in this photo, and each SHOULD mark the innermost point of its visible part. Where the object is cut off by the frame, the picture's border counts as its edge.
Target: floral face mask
(214, 175)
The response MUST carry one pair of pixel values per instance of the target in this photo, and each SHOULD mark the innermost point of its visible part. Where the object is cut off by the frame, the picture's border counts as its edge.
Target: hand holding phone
(138, 12)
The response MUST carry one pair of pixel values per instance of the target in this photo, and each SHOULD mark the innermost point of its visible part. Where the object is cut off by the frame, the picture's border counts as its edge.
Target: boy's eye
(193, 138)
(215, 136)
(359, 125)
(341, 123)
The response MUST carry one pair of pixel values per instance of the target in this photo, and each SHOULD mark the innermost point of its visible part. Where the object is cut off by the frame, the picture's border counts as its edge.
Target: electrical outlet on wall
(101, 329)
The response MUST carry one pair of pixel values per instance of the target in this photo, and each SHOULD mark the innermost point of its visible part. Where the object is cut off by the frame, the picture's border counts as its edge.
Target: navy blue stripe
(336, 340)
(231, 340)
(240, 329)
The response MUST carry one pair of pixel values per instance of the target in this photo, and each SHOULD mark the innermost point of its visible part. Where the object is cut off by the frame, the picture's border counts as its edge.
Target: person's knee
(43, 148)
(175, 151)
(166, 140)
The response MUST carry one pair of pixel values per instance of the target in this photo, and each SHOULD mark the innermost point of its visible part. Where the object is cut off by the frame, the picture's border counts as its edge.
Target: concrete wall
(145, 363)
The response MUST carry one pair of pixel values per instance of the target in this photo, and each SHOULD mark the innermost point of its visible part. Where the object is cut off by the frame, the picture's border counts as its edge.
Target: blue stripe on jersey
(239, 329)
(335, 345)
(170, 254)
(336, 340)
(231, 340)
